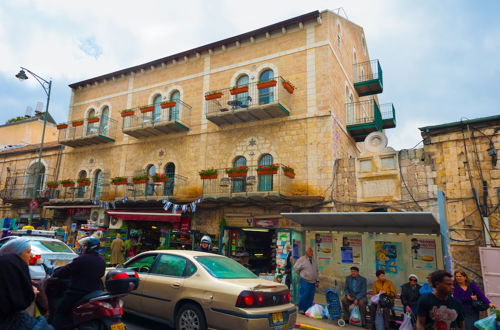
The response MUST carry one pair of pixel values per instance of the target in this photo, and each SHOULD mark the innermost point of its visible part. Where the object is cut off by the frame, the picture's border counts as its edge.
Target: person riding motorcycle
(85, 273)
(205, 244)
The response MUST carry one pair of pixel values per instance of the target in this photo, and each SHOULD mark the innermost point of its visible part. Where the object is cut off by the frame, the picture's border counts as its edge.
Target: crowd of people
(445, 301)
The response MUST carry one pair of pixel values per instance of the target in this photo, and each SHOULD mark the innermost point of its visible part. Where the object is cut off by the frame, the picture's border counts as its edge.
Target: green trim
(184, 127)
(106, 138)
(460, 123)
(356, 127)
(284, 109)
(368, 82)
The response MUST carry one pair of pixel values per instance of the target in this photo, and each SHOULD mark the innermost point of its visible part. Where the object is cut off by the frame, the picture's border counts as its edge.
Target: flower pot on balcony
(120, 183)
(62, 126)
(165, 105)
(209, 176)
(127, 113)
(93, 120)
(140, 181)
(266, 84)
(239, 90)
(83, 184)
(161, 180)
(66, 185)
(289, 174)
(237, 174)
(53, 186)
(289, 88)
(77, 123)
(213, 96)
(267, 172)
(147, 109)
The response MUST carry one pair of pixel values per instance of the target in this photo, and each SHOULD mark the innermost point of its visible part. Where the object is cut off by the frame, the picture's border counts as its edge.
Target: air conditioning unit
(99, 217)
(115, 223)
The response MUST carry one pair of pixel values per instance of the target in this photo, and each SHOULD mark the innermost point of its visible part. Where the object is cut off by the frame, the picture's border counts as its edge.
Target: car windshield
(51, 246)
(222, 267)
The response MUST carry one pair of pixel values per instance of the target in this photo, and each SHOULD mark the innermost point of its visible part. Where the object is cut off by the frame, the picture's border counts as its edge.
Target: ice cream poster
(323, 244)
(423, 253)
(350, 251)
(386, 256)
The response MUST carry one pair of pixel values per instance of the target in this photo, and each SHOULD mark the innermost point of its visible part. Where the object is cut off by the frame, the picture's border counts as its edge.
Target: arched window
(91, 127)
(157, 111)
(174, 114)
(168, 187)
(150, 186)
(35, 179)
(266, 95)
(355, 62)
(104, 121)
(239, 184)
(96, 187)
(242, 99)
(81, 190)
(266, 181)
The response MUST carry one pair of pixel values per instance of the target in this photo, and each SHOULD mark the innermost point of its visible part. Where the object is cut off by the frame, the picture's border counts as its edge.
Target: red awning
(144, 215)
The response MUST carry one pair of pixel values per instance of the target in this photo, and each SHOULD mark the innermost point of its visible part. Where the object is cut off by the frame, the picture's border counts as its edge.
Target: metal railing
(180, 113)
(23, 186)
(249, 96)
(97, 189)
(175, 186)
(367, 71)
(364, 112)
(251, 184)
(387, 111)
(105, 128)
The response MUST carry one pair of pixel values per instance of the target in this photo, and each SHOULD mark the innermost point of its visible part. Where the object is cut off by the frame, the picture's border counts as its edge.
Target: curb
(308, 327)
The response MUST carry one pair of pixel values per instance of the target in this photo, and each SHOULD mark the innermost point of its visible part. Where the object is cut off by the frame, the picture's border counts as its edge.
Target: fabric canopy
(144, 215)
(376, 222)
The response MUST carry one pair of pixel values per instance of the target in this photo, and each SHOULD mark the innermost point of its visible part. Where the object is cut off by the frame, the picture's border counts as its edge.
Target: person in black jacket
(410, 293)
(85, 273)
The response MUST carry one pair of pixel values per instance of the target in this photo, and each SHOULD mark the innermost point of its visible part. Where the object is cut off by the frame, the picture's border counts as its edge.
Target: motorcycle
(98, 309)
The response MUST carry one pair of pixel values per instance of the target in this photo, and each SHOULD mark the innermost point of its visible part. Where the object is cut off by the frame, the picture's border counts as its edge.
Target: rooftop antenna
(39, 107)
(29, 112)
(341, 12)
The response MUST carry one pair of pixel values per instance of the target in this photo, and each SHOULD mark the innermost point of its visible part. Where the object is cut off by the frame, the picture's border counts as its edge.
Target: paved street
(138, 323)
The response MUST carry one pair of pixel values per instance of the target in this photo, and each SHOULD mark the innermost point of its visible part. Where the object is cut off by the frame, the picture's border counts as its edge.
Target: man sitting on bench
(355, 293)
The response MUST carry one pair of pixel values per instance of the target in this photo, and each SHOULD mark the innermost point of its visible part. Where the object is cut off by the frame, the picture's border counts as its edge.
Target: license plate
(277, 317)
(118, 326)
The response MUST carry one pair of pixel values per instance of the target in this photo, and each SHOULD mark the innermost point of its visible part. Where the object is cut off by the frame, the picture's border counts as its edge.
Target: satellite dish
(375, 142)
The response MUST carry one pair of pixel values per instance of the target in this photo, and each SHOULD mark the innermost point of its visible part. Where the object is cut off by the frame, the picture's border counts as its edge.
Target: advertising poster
(351, 248)
(323, 243)
(386, 256)
(423, 252)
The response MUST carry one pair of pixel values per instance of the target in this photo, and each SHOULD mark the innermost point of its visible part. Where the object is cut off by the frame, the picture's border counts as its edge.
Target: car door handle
(176, 285)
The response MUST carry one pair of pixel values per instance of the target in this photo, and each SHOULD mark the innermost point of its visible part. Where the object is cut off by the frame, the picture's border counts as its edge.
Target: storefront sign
(78, 211)
(351, 249)
(266, 223)
(423, 252)
(185, 224)
(386, 256)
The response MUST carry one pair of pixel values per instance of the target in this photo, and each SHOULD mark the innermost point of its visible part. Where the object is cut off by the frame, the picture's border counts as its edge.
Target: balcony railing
(78, 133)
(23, 187)
(368, 78)
(176, 118)
(248, 186)
(250, 102)
(388, 115)
(175, 186)
(97, 189)
(363, 118)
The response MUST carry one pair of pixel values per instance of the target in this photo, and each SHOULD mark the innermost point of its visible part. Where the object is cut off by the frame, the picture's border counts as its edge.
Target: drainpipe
(443, 224)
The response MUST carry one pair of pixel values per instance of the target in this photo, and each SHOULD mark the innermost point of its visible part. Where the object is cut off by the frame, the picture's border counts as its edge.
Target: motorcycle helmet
(385, 301)
(206, 239)
(90, 244)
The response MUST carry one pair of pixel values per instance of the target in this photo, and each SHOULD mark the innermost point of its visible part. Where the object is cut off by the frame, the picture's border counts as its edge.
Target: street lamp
(46, 85)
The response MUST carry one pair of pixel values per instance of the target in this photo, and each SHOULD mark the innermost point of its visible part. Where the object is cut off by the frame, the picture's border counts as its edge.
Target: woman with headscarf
(410, 293)
(16, 288)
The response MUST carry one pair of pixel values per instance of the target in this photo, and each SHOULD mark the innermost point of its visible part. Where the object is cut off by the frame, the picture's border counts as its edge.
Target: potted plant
(76, 123)
(168, 104)
(62, 126)
(159, 177)
(52, 184)
(147, 108)
(119, 180)
(267, 169)
(83, 182)
(235, 172)
(92, 120)
(213, 95)
(208, 174)
(127, 112)
(140, 179)
(266, 84)
(67, 183)
(288, 171)
(238, 89)
(288, 86)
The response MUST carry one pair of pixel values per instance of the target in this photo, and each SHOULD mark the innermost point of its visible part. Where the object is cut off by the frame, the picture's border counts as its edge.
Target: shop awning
(375, 222)
(144, 215)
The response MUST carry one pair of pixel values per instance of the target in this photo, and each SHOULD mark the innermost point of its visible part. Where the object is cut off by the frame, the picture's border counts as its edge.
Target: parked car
(48, 251)
(196, 290)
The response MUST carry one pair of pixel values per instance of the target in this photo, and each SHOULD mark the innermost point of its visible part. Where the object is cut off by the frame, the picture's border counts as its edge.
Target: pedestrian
(307, 269)
(410, 293)
(288, 266)
(205, 244)
(117, 248)
(466, 292)
(387, 292)
(355, 293)
(439, 310)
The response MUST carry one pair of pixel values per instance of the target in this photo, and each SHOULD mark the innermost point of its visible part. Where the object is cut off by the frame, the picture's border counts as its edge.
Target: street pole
(443, 224)
(22, 76)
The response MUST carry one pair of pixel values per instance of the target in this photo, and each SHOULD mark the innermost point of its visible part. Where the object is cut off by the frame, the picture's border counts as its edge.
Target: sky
(439, 58)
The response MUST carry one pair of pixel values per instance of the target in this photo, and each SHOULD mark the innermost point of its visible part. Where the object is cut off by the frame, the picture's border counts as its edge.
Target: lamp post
(46, 85)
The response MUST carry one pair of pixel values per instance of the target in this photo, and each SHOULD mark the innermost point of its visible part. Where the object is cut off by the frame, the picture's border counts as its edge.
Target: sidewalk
(315, 324)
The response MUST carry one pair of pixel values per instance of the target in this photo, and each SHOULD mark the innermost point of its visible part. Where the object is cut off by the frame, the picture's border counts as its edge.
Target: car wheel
(190, 317)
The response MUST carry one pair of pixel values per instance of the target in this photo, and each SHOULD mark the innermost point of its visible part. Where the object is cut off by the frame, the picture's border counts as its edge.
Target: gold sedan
(196, 290)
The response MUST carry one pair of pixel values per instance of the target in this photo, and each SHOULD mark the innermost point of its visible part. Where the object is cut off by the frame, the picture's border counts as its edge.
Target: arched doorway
(157, 111)
(242, 98)
(81, 190)
(150, 185)
(168, 187)
(239, 184)
(174, 111)
(266, 181)
(96, 186)
(91, 127)
(104, 122)
(266, 95)
(35, 179)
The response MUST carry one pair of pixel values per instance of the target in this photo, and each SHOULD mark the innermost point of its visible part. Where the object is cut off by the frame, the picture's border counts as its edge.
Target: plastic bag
(375, 299)
(315, 311)
(407, 324)
(488, 323)
(355, 317)
(379, 320)
(326, 314)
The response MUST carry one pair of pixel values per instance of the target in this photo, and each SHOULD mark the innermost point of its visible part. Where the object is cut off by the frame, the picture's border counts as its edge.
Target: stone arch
(154, 94)
(240, 73)
(252, 152)
(265, 66)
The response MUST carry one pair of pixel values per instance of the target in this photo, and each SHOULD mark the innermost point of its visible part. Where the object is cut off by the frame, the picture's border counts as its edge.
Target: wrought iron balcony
(252, 185)
(170, 117)
(365, 117)
(255, 101)
(93, 189)
(79, 133)
(21, 188)
(368, 78)
(388, 115)
(150, 190)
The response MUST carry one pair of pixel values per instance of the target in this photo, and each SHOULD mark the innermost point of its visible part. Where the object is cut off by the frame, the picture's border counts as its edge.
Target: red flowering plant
(267, 169)
(157, 177)
(240, 169)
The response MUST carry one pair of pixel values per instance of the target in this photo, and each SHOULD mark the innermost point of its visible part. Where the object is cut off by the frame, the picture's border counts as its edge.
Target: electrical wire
(404, 182)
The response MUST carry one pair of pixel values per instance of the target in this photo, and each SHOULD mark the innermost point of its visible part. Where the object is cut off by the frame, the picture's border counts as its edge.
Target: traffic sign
(33, 205)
